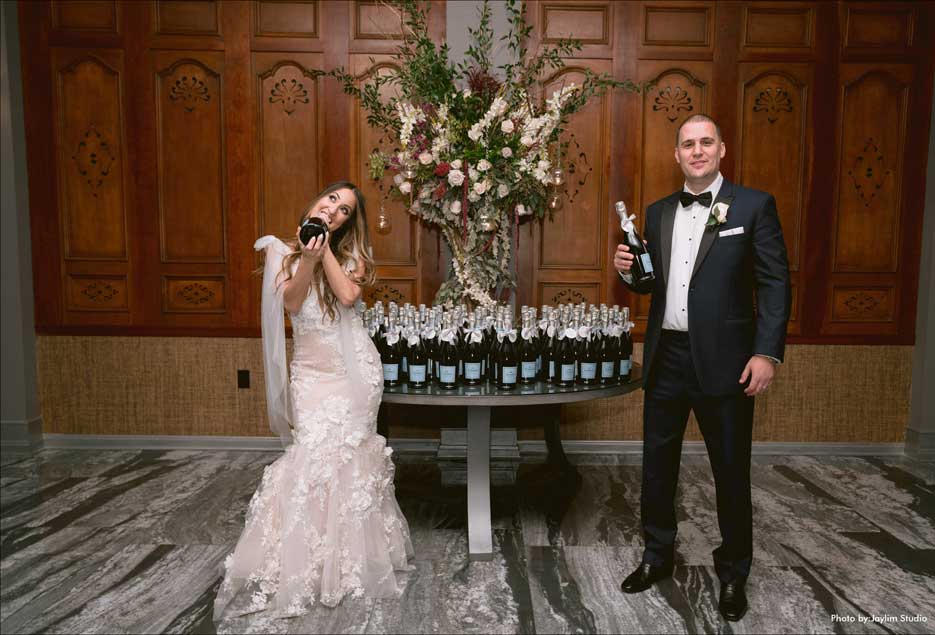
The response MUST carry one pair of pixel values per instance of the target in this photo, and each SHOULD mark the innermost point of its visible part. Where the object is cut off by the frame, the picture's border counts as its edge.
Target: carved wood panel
(85, 15)
(591, 22)
(190, 142)
(187, 17)
(288, 138)
(374, 20)
(573, 239)
(774, 151)
(90, 152)
(400, 246)
(889, 26)
(776, 27)
(677, 26)
(874, 102)
(286, 19)
(861, 304)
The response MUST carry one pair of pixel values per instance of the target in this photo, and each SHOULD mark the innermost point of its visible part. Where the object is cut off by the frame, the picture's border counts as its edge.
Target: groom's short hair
(694, 118)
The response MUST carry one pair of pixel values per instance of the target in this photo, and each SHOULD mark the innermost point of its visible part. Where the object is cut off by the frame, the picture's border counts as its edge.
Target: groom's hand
(623, 259)
(760, 371)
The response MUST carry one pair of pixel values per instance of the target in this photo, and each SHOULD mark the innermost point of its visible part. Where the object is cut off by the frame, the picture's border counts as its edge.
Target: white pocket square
(731, 232)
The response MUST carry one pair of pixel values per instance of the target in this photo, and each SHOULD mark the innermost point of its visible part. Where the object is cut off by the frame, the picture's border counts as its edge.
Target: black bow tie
(687, 198)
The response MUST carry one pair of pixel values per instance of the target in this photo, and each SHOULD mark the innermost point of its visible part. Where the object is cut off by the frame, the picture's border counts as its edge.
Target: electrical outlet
(243, 378)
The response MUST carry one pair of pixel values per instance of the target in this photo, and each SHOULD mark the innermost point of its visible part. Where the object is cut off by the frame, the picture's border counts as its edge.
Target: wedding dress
(324, 522)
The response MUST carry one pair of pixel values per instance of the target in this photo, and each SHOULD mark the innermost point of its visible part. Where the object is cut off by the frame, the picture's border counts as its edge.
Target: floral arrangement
(477, 147)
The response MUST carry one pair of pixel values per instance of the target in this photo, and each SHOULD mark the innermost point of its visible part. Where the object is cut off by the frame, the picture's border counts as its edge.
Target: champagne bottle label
(647, 263)
(568, 372)
(625, 366)
(417, 373)
(472, 370)
(588, 370)
(551, 368)
(390, 372)
(529, 370)
(607, 370)
(447, 374)
(405, 364)
(509, 374)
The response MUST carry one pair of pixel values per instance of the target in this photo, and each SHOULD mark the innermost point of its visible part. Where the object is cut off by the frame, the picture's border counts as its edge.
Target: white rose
(456, 207)
(473, 197)
(507, 126)
(527, 140)
(507, 152)
(544, 165)
(473, 174)
(502, 190)
(480, 187)
(455, 178)
(426, 158)
(405, 187)
(483, 165)
(521, 209)
(398, 179)
(456, 164)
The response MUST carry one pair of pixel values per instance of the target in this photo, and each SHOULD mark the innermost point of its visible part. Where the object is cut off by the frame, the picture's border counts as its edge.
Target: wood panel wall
(165, 136)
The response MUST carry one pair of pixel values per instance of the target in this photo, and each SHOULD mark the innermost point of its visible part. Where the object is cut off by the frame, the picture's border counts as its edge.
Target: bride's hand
(315, 249)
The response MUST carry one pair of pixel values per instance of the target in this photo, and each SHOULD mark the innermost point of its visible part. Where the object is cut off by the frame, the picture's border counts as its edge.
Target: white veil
(278, 403)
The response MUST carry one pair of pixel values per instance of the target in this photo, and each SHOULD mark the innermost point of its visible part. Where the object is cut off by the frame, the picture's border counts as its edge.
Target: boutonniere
(718, 214)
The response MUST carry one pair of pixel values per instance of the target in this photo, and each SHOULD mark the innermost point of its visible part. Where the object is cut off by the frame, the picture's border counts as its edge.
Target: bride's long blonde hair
(349, 243)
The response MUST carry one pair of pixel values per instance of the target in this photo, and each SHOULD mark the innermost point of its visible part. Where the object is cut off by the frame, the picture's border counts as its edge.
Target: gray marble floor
(131, 542)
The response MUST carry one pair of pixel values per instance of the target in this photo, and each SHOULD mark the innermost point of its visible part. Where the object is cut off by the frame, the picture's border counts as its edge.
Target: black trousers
(726, 423)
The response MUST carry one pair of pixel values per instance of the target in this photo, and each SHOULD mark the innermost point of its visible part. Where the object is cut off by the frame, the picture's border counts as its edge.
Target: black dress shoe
(733, 602)
(644, 577)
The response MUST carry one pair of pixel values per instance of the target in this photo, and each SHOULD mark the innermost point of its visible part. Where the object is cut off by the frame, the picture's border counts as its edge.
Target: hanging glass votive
(384, 224)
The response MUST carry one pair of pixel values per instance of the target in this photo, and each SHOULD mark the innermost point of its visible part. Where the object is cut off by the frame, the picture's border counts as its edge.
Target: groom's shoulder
(750, 194)
(655, 206)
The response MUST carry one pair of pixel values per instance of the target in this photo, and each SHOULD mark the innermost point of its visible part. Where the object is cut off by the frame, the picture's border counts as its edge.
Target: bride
(324, 522)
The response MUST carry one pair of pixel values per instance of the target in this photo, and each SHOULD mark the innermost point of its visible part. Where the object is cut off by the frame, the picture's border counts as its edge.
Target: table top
(487, 394)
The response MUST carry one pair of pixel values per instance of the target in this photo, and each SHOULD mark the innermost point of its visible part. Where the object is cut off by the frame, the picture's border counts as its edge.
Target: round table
(479, 400)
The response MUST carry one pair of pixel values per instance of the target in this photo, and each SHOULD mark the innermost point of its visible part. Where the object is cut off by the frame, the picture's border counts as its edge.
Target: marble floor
(131, 542)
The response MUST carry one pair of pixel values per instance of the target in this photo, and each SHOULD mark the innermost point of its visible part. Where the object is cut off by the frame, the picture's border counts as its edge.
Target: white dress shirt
(687, 231)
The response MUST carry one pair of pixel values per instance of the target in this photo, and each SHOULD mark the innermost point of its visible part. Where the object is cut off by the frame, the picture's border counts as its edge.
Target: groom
(714, 246)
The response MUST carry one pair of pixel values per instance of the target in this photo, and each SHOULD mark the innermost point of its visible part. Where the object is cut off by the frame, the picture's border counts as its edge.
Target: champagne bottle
(588, 350)
(566, 359)
(447, 357)
(390, 356)
(418, 360)
(527, 352)
(607, 353)
(642, 269)
(626, 346)
(474, 354)
(507, 359)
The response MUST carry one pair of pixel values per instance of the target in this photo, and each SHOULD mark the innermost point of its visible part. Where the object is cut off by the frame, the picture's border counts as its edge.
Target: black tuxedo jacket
(729, 272)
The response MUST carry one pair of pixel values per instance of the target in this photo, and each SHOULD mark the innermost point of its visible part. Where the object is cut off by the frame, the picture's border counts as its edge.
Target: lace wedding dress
(324, 522)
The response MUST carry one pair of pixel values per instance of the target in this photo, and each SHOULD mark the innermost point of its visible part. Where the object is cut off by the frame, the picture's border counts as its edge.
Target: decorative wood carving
(863, 305)
(398, 291)
(97, 293)
(193, 295)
